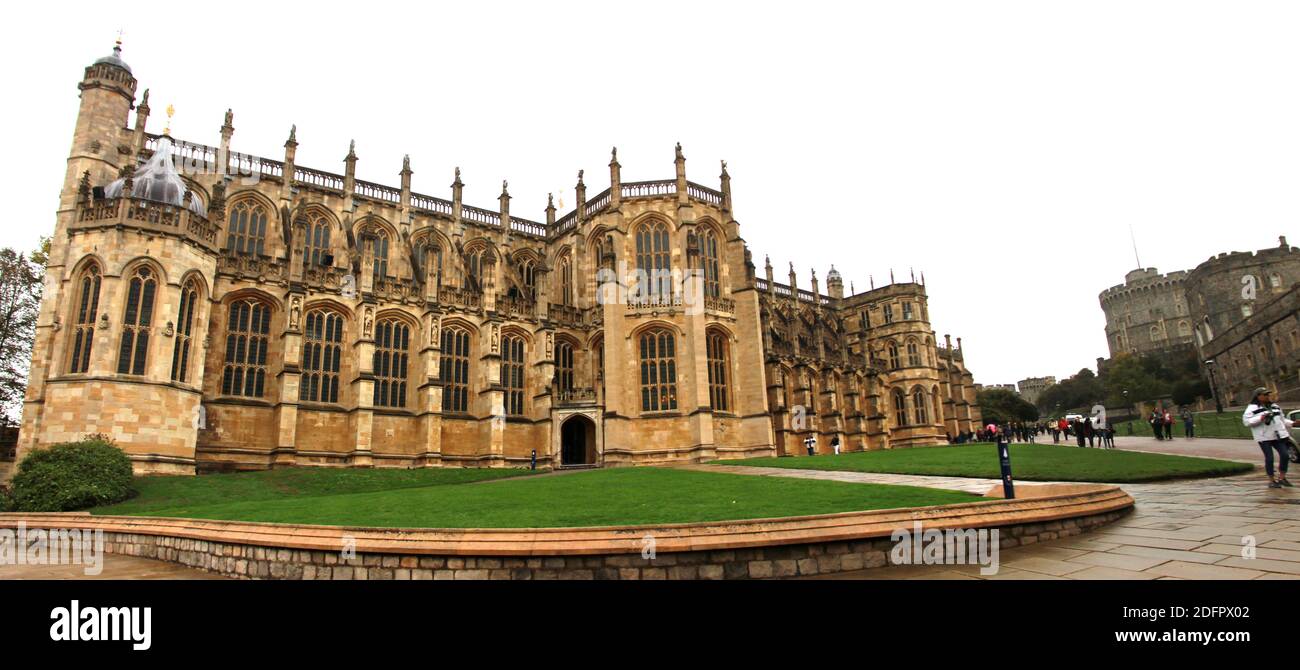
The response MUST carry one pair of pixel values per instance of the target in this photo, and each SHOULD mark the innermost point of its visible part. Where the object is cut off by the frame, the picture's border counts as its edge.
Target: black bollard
(1004, 459)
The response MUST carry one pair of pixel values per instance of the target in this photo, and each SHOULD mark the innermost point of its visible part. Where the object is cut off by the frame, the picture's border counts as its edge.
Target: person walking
(1157, 422)
(1268, 425)
(1189, 423)
(835, 444)
(1079, 432)
(1169, 425)
(811, 443)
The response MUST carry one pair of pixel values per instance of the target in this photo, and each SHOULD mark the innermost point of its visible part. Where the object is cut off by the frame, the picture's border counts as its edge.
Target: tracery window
(184, 332)
(913, 354)
(900, 408)
(891, 352)
(316, 240)
(712, 264)
(247, 340)
(136, 319)
(321, 356)
(654, 259)
(919, 402)
(528, 275)
(564, 365)
(512, 373)
(454, 370)
(84, 321)
(658, 370)
(246, 233)
(565, 271)
(379, 240)
(718, 364)
(392, 354)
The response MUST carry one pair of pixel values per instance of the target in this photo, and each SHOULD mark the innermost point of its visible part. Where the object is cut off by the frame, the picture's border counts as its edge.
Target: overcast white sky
(1003, 148)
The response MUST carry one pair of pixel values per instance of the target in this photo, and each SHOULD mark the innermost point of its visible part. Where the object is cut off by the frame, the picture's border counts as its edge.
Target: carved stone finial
(293, 133)
(144, 99)
(680, 157)
(505, 186)
(580, 176)
(230, 114)
(550, 201)
(406, 163)
(614, 155)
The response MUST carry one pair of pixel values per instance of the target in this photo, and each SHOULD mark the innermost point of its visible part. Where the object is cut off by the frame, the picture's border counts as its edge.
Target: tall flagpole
(1135, 246)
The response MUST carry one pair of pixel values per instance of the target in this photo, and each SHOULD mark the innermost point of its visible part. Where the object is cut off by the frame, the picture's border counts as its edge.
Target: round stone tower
(121, 336)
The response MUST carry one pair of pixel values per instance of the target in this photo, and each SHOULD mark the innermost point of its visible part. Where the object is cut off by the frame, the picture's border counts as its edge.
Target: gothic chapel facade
(211, 321)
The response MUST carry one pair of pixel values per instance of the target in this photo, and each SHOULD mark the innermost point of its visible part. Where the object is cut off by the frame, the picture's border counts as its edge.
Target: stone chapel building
(212, 310)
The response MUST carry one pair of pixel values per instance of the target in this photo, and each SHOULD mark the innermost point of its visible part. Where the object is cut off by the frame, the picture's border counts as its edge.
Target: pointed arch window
(565, 271)
(427, 254)
(321, 355)
(474, 267)
(900, 408)
(528, 275)
(246, 234)
(84, 319)
(454, 370)
(316, 241)
(564, 366)
(379, 242)
(512, 374)
(654, 259)
(392, 355)
(247, 341)
(921, 405)
(658, 353)
(913, 354)
(719, 366)
(891, 352)
(184, 332)
(137, 317)
(712, 264)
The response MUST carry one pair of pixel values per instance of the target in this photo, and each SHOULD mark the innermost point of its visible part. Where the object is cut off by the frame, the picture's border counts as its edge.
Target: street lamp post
(1214, 386)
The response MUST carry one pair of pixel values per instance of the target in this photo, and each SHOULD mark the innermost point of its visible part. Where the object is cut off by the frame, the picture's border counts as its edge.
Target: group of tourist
(1086, 432)
(1162, 423)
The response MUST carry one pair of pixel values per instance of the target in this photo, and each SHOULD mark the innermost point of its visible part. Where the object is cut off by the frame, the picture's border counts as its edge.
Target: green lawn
(1028, 462)
(159, 493)
(592, 498)
(1208, 424)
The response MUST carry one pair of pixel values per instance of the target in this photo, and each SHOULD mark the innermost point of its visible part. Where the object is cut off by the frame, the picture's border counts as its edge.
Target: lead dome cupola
(115, 58)
(157, 180)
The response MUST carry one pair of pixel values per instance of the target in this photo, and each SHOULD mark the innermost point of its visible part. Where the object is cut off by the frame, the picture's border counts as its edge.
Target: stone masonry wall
(252, 562)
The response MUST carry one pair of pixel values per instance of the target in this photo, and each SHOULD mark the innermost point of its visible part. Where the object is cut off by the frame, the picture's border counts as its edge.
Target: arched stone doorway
(577, 441)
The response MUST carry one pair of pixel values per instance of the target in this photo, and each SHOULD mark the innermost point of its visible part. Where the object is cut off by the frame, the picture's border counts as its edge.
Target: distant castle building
(1236, 309)
(1147, 314)
(1030, 389)
(243, 312)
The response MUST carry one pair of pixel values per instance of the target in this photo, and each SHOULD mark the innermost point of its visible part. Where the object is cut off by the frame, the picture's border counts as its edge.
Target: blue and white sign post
(1004, 459)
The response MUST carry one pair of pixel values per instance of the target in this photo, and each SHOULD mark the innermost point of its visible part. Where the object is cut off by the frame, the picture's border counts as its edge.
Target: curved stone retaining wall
(757, 548)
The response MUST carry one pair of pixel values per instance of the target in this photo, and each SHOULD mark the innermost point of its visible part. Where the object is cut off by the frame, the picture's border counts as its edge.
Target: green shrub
(72, 476)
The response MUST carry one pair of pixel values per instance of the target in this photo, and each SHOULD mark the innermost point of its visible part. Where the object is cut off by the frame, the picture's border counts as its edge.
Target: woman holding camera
(1269, 426)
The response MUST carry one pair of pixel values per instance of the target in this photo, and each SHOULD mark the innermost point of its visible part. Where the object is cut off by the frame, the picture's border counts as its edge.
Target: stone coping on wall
(1037, 505)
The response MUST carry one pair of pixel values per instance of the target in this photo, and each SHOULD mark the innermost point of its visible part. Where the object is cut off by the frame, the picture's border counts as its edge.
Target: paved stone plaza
(1186, 529)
